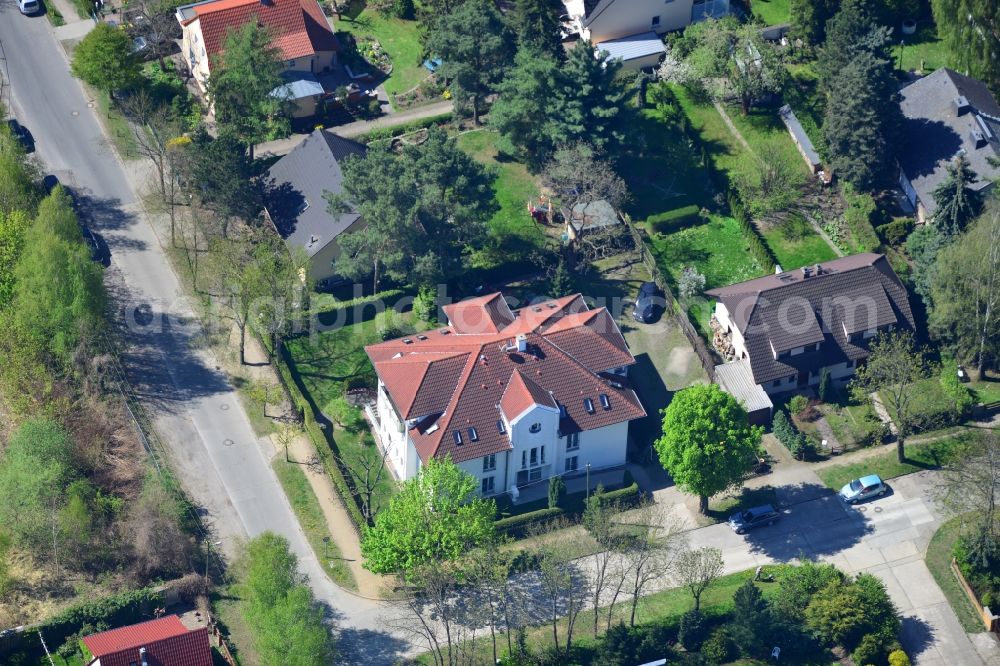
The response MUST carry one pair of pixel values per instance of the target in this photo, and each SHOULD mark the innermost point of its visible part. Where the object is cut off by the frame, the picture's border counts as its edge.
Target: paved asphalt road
(224, 466)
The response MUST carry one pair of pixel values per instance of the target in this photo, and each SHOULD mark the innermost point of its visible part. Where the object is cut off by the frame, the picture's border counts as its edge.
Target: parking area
(886, 536)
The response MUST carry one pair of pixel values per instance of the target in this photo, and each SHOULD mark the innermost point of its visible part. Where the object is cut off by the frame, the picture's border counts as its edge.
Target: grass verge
(938, 560)
(930, 455)
(310, 514)
(116, 125)
(399, 38)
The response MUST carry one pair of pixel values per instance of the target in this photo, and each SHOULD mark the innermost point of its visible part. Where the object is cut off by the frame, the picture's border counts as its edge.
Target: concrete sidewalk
(284, 146)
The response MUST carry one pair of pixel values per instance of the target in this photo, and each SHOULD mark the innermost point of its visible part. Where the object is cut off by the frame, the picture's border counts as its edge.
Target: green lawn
(328, 363)
(720, 144)
(848, 422)
(715, 247)
(923, 51)
(513, 232)
(918, 457)
(771, 12)
(118, 128)
(666, 175)
(986, 391)
(307, 509)
(400, 39)
(938, 560)
(804, 251)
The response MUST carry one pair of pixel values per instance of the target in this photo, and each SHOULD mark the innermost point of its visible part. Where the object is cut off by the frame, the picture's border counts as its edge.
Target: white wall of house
(630, 17)
(841, 372)
(392, 431)
(722, 316)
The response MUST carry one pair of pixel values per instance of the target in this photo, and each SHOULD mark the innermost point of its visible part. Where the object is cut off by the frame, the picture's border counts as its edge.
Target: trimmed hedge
(678, 217)
(517, 526)
(380, 133)
(330, 316)
(323, 443)
(117, 610)
(757, 247)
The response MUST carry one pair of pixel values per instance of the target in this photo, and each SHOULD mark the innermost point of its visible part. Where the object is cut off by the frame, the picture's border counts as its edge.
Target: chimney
(817, 269)
(962, 105)
(522, 343)
(978, 139)
(806, 272)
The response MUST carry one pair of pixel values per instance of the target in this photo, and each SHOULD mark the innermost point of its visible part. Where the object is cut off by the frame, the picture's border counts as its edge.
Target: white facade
(538, 451)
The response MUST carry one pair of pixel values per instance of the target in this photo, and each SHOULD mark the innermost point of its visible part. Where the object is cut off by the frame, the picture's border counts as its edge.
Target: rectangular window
(535, 474)
(490, 462)
(488, 485)
(573, 441)
(501, 428)
(572, 463)
(543, 455)
(605, 401)
(534, 456)
(776, 382)
(473, 435)
(588, 405)
(457, 434)
(524, 459)
(814, 372)
(655, 22)
(784, 354)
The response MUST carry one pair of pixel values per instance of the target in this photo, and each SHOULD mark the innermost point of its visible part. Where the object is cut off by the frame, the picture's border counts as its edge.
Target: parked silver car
(864, 488)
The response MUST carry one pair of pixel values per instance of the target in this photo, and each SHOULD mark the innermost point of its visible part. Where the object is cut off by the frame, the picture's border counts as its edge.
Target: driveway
(886, 537)
(220, 461)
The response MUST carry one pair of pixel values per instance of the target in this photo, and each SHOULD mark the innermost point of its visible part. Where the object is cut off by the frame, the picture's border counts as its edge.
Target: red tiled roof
(298, 28)
(568, 346)
(521, 393)
(167, 643)
(486, 314)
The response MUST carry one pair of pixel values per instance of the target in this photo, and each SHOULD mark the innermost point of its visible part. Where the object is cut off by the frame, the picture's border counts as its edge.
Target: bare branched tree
(971, 485)
(696, 569)
(657, 541)
(366, 470)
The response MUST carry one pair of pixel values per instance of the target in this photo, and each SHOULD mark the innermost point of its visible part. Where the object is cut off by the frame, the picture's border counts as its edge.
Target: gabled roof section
(566, 348)
(476, 316)
(167, 641)
(521, 394)
(295, 188)
(779, 313)
(936, 129)
(421, 383)
(298, 28)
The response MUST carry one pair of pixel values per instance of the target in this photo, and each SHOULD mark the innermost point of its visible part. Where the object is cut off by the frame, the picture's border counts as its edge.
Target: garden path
(743, 142)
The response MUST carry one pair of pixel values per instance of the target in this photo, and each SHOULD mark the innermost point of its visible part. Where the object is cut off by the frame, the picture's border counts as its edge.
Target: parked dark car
(750, 519)
(22, 134)
(647, 303)
(99, 250)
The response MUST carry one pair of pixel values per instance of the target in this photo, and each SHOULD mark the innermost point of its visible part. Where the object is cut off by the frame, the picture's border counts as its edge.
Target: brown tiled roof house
(786, 328)
(512, 396)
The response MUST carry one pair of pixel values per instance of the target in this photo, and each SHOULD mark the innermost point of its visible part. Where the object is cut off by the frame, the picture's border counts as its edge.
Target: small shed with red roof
(161, 642)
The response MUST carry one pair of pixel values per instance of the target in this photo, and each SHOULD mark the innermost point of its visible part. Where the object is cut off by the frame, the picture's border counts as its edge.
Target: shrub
(691, 282)
(898, 658)
(960, 396)
(798, 404)
(719, 648)
(425, 305)
(404, 9)
(692, 630)
(557, 491)
(825, 389)
(895, 232)
(793, 440)
(674, 219)
(871, 650)
(858, 218)
(620, 645)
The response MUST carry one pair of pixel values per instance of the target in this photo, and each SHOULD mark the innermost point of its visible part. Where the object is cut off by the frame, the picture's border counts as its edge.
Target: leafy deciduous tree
(707, 444)
(893, 366)
(696, 569)
(104, 59)
(436, 516)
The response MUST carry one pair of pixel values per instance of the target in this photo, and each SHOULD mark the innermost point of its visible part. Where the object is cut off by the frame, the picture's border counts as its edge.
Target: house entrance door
(803, 378)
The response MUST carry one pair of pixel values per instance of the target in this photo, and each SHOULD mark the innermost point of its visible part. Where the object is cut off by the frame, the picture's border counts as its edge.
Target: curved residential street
(222, 464)
(225, 468)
